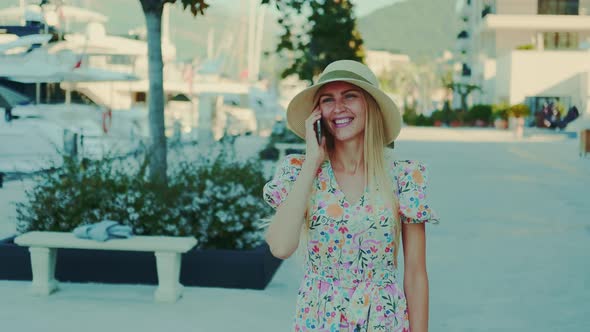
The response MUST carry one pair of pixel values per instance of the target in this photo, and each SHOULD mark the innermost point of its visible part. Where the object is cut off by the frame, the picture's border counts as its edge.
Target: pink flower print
(373, 249)
(331, 231)
(369, 209)
(379, 308)
(343, 229)
(324, 287)
(306, 310)
(345, 204)
(330, 250)
(392, 290)
(316, 249)
(276, 196)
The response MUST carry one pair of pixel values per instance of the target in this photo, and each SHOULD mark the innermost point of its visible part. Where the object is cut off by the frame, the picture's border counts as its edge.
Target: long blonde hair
(376, 176)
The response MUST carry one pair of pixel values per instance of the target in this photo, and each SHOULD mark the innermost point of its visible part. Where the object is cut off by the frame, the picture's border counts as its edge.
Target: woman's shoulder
(294, 160)
(403, 165)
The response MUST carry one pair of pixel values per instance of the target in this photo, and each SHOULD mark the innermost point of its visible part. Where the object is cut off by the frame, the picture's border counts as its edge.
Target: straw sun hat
(352, 72)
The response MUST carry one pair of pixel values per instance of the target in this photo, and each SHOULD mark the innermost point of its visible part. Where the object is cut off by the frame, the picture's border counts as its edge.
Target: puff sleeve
(276, 190)
(412, 181)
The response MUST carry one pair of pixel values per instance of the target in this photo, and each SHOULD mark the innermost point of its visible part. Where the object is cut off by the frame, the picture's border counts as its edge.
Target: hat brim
(301, 107)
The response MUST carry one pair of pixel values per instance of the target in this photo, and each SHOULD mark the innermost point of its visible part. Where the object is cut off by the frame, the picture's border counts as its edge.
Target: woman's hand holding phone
(314, 139)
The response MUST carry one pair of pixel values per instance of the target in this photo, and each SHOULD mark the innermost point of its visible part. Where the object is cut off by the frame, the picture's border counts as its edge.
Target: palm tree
(152, 10)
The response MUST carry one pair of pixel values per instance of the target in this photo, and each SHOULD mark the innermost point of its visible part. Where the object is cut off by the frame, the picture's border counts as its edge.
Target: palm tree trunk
(157, 153)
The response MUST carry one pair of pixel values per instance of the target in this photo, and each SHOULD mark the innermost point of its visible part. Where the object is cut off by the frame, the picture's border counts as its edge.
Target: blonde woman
(346, 204)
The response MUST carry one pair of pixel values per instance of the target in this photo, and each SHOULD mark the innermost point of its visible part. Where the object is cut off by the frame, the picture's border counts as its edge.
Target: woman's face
(343, 110)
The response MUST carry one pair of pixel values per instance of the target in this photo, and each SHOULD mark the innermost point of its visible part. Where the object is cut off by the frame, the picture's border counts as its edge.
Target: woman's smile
(342, 122)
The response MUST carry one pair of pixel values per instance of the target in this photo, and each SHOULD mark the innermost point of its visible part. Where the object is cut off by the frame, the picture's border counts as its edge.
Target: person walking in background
(347, 205)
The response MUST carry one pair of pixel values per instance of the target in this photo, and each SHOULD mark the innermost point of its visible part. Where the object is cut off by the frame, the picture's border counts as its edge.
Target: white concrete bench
(168, 250)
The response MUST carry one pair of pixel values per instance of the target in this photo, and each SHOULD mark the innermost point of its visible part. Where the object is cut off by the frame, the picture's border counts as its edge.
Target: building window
(560, 40)
(465, 70)
(140, 97)
(558, 7)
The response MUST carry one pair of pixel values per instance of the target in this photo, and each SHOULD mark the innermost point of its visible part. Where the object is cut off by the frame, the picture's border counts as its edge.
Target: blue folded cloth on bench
(103, 231)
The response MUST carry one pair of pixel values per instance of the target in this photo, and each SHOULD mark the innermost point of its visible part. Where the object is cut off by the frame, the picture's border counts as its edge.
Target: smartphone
(318, 130)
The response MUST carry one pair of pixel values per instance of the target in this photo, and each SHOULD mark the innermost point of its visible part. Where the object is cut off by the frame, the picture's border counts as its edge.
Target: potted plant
(456, 118)
(217, 200)
(519, 112)
(481, 115)
(500, 115)
(438, 118)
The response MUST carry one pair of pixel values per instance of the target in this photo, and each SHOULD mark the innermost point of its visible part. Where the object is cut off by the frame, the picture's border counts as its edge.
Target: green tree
(330, 34)
(152, 10)
(463, 90)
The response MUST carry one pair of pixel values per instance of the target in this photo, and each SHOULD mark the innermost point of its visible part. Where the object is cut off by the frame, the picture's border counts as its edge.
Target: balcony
(535, 22)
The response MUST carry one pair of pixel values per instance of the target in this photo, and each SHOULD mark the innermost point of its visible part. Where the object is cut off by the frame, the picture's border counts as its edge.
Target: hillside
(419, 28)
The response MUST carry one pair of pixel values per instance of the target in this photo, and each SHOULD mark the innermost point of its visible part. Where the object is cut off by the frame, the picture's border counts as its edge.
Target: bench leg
(169, 287)
(43, 268)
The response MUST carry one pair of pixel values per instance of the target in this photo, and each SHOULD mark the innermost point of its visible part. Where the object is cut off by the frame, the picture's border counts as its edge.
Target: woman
(349, 203)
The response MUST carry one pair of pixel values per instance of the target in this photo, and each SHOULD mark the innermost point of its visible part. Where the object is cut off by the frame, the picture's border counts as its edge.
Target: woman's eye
(350, 96)
(327, 100)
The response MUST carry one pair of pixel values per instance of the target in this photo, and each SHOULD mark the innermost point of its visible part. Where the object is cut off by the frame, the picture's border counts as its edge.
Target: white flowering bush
(218, 201)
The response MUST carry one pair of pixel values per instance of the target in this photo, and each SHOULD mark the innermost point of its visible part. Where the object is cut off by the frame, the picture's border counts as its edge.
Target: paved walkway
(510, 254)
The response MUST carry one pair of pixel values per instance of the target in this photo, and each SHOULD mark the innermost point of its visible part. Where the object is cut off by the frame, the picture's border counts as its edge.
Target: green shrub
(217, 200)
(525, 47)
(519, 110)
(481, 112)
(410, 116)
(500, 111)
(423, 120)
(438, 115)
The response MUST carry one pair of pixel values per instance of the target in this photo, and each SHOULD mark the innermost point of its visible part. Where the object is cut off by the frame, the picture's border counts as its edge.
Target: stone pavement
(510, 254)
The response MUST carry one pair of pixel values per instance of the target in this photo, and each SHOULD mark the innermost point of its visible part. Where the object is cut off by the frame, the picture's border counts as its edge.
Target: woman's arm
(415, 276)
(284, 230)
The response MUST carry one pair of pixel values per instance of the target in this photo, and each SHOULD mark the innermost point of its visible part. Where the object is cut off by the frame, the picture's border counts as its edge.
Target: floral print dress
(350, 281)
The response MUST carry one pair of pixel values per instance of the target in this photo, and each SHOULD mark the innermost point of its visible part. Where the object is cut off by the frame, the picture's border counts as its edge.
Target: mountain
(420, 28)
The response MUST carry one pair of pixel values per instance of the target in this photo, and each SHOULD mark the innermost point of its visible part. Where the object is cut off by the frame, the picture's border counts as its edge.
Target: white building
(526, 51)
(382, 62)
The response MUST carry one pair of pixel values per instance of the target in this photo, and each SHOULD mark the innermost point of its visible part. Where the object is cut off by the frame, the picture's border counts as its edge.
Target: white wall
(546, 73)
(514, 7)
(509, 40)
(503, 79)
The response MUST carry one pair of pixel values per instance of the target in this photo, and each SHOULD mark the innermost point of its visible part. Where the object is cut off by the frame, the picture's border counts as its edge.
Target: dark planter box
(252, 269)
